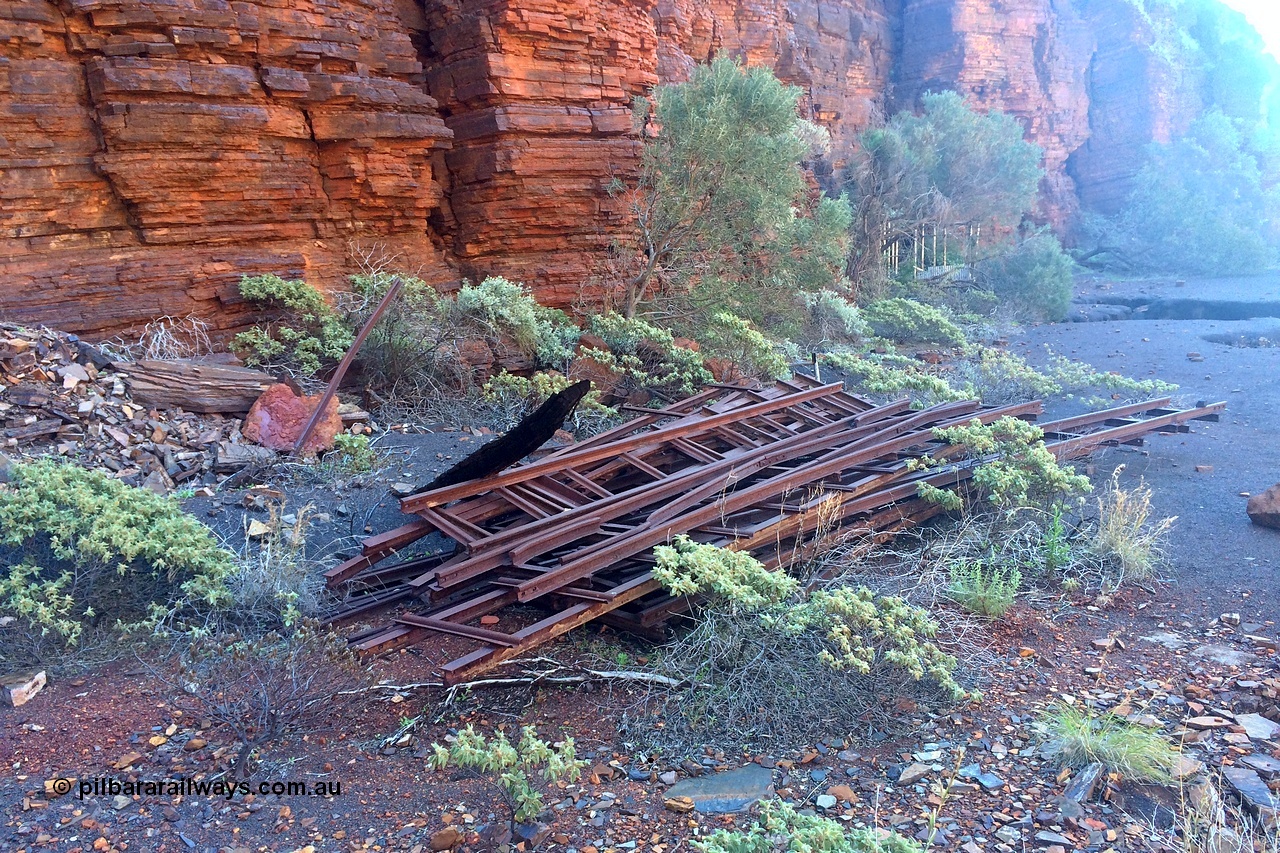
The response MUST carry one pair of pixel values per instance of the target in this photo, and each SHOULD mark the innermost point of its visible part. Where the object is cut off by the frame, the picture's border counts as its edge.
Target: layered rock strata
(152, 151)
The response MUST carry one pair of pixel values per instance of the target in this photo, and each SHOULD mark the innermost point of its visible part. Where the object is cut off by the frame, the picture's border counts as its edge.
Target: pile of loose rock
(62, 395)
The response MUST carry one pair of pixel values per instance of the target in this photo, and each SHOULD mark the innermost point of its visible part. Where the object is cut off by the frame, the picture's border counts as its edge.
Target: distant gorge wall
(152, 152)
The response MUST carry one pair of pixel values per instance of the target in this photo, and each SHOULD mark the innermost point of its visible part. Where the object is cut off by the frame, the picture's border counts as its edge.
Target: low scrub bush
(84, 550)
(513, 764)
(646, 356)
(908, 321)
(831, 319)
(1136, 752)
(825, 655)
(264, 689)
(508, 398)
(1032, 277)
(734, 338)
(272, 586)
(307, 335)
(987, 589)
(889, 375)
(782, 829)
(1018, 469)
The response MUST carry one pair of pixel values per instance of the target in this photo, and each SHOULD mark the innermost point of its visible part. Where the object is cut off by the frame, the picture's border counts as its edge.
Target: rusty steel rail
(768, 471)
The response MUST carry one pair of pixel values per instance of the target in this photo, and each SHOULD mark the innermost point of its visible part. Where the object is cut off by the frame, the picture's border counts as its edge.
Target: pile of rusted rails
(769, 472)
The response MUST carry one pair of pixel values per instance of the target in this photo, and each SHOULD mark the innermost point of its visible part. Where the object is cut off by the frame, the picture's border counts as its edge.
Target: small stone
(680, 805)
(403, 490)
(913, 773)
(489, 620)
(1044, 836)
(1258, 727)
(195, 744)
(1253, 792)
(257, 529)
(446, 839)
(1204, 469)
(17, 689)
(668, 778)
(127, 760)
(1186, 767)
(1207, 722)
(120, 801)
(825, 801)
(1194, 356)
(1009, 834)
(843, 793)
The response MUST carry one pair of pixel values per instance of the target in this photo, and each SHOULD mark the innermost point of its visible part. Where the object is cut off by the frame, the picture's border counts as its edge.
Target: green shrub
(996, 376)
(891, 375)
(512, 764)
(724, 219)
(736, 339)
(1136, 752)
(782, 829)
(646, 355)
(907, 321)
(308, 336)
(508, 310)
(353, 453)
(1019, 470)
(832, 319)
(508, 398)
(1034, 276)
(83, 548)
(987, 590)
(862, 632)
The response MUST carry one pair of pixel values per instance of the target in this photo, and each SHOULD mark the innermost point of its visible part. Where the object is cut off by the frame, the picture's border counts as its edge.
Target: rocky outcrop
(1025, 57)
(152, 152)
(841, 52)
(1136, 97)
(537, 94)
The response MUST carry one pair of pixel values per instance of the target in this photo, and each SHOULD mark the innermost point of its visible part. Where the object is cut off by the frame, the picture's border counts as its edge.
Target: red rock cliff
(152, 151)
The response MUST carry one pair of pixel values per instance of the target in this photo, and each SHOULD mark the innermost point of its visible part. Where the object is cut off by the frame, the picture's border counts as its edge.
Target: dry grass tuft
(1127, 539)
(1137, 753)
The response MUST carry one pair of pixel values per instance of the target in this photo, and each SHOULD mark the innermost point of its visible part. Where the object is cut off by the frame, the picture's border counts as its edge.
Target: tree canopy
(726, 219)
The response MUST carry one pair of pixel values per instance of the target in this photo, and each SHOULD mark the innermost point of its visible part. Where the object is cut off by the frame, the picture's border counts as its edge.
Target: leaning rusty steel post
(345, 364)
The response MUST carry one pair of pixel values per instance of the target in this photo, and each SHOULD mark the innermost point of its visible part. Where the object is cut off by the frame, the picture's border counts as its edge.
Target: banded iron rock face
(153, 152)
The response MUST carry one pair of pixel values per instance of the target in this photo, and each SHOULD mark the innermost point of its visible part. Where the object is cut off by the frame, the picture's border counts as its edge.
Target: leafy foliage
(724, 218)
(308, 335)
(988, 590)
(1206, 203)
(908, 321)
(1018, 469)
(512, 764)
(782, 829)
(646, 355)
(862, 632)
(947, 164)
(83, 548)
(1033, 276)
(736, 339)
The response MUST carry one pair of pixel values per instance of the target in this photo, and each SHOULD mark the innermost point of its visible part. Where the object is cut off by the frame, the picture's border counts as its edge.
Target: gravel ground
(1219, 561)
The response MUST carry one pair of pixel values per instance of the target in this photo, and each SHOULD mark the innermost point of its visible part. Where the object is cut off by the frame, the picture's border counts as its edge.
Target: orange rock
(279, 416)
